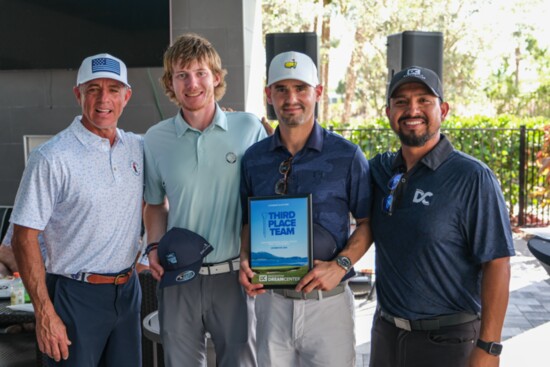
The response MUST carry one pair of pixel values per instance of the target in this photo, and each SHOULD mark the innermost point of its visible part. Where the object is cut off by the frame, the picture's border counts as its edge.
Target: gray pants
(305, 333)
(209, 303)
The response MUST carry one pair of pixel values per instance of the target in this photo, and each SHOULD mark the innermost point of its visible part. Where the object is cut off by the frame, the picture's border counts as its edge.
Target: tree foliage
(504, 87)
(371, 21)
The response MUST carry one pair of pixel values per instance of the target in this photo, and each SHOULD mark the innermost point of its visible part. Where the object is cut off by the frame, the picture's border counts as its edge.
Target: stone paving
(528, 307)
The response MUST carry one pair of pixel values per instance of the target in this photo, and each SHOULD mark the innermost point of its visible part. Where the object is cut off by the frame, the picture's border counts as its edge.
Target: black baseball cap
(416, 74)
(181, 252)
(324, 244)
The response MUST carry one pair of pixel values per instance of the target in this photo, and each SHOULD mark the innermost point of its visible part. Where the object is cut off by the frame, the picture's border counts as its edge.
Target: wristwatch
(344, 262)
(492, 348)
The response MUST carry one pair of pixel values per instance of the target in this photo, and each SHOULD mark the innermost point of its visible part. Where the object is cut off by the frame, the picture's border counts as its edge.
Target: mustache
(293, 105)
(417, 117)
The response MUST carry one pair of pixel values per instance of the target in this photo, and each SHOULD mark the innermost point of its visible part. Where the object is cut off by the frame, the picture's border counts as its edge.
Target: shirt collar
(87, 137)
(314, 141)
(220, 120)
(433, 159)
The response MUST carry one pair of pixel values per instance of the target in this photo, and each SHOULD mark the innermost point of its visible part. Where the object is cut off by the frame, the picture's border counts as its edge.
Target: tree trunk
(351, 75)
(325, 47)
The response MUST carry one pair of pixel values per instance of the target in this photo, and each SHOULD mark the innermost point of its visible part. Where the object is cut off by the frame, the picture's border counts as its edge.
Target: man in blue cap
(82, 189)
(443, 240)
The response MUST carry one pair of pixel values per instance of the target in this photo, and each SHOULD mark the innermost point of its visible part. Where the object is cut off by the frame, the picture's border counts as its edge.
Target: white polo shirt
(86, 196)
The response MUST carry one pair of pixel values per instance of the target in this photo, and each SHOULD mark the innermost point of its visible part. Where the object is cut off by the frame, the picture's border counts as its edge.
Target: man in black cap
(443, 240)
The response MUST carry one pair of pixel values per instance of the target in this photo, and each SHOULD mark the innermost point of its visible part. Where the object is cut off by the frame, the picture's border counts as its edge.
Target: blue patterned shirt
(334, 170)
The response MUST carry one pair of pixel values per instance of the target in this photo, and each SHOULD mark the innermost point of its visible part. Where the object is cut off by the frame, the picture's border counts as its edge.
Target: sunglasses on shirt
(285, 167)
(388, 203)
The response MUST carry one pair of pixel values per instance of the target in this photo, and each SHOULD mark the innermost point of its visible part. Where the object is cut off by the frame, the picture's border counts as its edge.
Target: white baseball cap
(102, 66)
(292, 65)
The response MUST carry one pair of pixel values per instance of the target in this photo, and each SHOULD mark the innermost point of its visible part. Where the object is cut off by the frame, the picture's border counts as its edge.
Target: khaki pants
(305, 333)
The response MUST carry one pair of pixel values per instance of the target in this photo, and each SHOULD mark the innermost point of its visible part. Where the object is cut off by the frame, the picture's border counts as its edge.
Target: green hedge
(494, 141)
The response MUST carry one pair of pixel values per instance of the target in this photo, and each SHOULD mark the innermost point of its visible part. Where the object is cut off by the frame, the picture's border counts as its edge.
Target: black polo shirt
(449, 218)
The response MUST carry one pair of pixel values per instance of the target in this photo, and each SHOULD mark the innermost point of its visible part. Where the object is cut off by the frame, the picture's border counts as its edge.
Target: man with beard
(443, 240)
(313, 323)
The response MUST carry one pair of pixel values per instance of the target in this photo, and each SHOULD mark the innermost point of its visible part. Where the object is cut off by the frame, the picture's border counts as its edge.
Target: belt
(428, 324)
(220, 268)
(93, 278)
(318, 295)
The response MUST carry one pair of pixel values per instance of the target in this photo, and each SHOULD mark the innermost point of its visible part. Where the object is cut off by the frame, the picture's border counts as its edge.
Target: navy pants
(449, 346)
(102, 321)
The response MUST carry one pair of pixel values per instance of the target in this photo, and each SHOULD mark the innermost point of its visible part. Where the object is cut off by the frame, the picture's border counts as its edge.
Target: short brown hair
(187, 48)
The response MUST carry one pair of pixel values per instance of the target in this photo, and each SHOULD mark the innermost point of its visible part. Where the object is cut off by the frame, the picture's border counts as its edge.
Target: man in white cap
(313, 323)
(82, 189)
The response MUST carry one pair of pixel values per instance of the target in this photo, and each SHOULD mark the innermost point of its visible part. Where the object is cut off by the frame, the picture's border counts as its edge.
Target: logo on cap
(171, 258)
(416, 73)
(291, 64)
(105, 64)
(185, 276)
(206, 247)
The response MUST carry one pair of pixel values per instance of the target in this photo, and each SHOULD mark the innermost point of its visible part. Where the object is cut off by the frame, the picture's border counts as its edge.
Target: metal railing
(510, 153)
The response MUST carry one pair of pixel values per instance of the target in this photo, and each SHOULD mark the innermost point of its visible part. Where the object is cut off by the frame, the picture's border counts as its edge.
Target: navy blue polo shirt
(334, 170)
(450, 217)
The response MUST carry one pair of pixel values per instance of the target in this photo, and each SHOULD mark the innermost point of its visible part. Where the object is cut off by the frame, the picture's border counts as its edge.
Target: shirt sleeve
(488, 225)
(360, 186)
(244, 190)
(6, 241)
(153, 190)
(38, 192)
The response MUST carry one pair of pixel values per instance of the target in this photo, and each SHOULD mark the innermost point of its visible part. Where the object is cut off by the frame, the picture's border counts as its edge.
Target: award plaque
(280, 239)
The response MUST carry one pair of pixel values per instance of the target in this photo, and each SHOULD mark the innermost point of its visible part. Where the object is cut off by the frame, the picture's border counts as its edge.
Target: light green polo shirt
(199, 173)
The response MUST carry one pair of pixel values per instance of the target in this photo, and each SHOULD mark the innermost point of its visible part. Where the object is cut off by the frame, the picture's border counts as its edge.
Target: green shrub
(494, 141)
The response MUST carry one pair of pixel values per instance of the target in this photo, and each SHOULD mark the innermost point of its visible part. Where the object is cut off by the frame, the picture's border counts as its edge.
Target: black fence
(510, 153)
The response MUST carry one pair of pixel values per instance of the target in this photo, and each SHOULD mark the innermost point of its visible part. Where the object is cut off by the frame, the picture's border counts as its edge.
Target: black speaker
(276, 43)
(415, 48)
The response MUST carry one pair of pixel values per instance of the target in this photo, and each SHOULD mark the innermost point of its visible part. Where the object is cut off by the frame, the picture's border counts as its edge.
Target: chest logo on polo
(422, 197)
(135, 168)
(231, 157)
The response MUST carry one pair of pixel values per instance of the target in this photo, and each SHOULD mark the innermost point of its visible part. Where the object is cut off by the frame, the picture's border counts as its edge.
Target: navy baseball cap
(416, 74)
(181, 252)
(324, 244)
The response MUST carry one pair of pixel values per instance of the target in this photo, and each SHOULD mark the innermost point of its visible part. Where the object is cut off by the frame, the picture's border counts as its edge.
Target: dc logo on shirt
(421, 197)
(135, 168)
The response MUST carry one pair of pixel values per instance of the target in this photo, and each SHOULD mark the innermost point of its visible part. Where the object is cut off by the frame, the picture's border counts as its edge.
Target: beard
(292, 120)
(414, 140)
